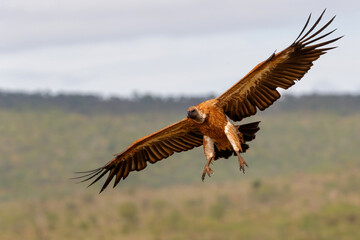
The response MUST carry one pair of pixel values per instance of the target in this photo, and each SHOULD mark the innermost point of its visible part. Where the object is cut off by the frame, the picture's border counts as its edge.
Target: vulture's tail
(248, 131)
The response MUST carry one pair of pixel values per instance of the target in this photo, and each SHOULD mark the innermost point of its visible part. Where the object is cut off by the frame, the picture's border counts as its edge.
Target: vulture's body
(209, 124)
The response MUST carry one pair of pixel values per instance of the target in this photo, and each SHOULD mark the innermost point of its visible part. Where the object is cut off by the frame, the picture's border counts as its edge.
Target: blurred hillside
(302, 181)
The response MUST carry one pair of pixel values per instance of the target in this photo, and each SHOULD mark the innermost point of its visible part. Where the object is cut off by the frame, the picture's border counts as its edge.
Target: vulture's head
(196, 115)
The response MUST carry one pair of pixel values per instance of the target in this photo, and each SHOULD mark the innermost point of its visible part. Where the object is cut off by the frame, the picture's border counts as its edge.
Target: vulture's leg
(233, 137)
(209, 151)
(242, 162)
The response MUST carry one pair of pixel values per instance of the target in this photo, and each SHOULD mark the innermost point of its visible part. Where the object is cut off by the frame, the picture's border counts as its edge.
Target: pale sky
(177, 47)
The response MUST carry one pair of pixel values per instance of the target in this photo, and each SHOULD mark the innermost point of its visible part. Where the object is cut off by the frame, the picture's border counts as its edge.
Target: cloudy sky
(177, 47)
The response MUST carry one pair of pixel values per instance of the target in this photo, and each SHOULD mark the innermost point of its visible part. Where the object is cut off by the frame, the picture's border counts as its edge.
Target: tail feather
(249, 130)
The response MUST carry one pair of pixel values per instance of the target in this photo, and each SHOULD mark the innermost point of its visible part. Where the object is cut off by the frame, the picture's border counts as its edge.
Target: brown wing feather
(180, 136)
(258, 88)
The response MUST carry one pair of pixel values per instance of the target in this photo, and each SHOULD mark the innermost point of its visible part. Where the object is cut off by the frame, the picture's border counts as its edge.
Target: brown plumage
(207, 123)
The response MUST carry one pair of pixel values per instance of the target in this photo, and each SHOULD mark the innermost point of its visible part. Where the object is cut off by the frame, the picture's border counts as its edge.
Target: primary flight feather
(207, 124)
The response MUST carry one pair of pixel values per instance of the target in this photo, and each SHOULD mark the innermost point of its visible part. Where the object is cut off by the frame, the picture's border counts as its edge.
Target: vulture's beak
(191, 114)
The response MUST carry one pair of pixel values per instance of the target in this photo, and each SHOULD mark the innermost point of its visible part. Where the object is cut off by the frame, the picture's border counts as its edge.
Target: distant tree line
(92, 104)
(342, 104)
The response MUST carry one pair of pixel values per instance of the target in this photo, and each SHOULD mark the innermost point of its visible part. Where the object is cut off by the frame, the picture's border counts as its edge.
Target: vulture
(209, 123)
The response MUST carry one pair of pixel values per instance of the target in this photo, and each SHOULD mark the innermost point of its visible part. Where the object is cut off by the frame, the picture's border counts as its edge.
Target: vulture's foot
(208, 171)
(242, 162)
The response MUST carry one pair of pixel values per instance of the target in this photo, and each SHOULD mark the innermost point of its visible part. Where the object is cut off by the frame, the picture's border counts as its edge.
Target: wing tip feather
(301, 54)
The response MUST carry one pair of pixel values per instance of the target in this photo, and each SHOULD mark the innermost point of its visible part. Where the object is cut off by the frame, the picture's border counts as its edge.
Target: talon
(208, 171)
(242, 162)
(242, 168)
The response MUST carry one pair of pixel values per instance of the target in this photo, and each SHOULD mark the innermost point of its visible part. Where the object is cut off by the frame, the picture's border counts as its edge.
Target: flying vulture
(209, 124)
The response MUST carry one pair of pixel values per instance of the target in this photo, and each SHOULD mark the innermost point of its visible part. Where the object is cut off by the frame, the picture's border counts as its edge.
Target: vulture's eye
(193, 110)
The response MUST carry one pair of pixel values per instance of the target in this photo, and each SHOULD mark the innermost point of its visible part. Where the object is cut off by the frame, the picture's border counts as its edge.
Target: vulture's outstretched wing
(258, 88)
(178, 137)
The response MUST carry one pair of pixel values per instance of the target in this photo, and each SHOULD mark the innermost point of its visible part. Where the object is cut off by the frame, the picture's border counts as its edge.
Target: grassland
(302, 206)
(302, 183)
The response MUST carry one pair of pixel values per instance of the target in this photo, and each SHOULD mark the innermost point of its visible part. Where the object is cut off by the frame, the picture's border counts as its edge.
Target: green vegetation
(302, 183)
